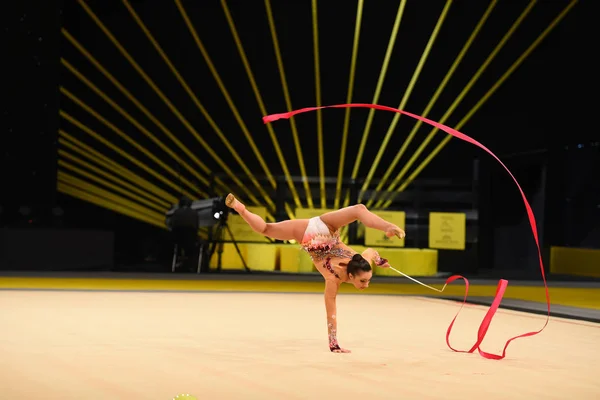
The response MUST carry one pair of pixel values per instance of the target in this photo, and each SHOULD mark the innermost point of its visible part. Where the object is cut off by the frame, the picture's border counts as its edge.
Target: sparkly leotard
(321, 244)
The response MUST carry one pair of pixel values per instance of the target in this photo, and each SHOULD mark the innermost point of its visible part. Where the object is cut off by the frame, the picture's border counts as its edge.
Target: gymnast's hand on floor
(337, 349)
(334, 346)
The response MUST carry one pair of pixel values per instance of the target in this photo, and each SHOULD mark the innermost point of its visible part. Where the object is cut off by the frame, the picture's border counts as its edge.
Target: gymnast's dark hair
(358, 265)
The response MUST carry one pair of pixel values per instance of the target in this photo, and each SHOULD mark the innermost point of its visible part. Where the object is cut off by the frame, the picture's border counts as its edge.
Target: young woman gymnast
(320, 238)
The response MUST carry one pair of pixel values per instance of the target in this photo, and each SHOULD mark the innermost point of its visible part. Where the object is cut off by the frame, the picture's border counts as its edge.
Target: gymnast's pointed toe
(229, 200)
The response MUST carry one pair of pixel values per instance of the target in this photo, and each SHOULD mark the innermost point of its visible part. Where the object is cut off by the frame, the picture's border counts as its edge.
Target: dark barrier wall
(53, 249)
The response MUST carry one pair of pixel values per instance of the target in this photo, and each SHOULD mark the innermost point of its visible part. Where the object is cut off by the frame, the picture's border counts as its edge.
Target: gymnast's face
(361, 280)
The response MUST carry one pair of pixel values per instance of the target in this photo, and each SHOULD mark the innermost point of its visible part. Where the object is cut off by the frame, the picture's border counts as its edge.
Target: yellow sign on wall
(241, 230)
(375, 237)
(447, 230)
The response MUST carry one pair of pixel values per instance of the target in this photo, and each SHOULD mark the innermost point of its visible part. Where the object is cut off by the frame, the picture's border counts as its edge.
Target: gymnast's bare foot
(395, 231)
(232, 202)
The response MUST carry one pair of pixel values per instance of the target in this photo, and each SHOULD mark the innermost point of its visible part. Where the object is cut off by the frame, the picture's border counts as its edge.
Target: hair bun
(357, 257)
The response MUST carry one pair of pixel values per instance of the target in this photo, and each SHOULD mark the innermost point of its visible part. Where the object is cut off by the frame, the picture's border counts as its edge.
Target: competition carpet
(570, 299)
(116, 336)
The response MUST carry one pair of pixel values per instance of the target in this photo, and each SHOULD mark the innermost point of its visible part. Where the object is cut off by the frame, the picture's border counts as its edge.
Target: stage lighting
(208, 211)
(211, 213)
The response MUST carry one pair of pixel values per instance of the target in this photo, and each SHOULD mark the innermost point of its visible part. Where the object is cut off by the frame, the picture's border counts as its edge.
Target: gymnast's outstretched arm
(331, 289)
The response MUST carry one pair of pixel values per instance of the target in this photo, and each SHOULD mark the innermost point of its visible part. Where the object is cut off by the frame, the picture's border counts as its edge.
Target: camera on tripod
(208, 213)
(186, 218)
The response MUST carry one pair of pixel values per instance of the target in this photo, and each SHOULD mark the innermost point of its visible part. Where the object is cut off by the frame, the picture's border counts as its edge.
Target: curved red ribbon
(502, 284)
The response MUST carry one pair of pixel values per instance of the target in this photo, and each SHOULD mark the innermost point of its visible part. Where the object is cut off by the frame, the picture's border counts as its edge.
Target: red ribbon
(502, 284)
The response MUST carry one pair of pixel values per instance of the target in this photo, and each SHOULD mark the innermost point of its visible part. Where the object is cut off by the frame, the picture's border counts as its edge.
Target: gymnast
(320, 238)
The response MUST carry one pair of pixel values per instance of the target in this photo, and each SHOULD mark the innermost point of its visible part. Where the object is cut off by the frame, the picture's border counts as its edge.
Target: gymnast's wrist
(379, 261)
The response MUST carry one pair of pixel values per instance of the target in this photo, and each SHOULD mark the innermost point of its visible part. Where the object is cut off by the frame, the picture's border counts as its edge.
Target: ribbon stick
(502, 284)
(420, 283)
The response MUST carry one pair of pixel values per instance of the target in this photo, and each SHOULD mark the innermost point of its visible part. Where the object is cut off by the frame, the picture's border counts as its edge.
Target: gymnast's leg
(344, 216)
(283, 230)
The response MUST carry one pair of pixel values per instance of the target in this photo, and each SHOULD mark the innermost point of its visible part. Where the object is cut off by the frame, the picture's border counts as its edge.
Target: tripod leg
(217, 241)
(200, 253)
(237, 248)
(220, 256)
(175, 250)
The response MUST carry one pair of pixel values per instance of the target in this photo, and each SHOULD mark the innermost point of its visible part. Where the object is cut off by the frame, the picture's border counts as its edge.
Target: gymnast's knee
(360, 207)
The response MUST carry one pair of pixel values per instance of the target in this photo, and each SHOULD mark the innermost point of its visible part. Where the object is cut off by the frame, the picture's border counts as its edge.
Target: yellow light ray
(89, 193)
(135, 123)
(170, 105)
(84, 150)
(129, 140)
(460, 97)
(64, 155)
(81, 194)
(432, 101)
(129, 193)
(71, 185)
(104, 200)
(93, 189)
(124, 154)
(343, 144)
(88, 197)
(165, 205)
(315, 25)
(489, 93)
(382, 74)
(263, 109)
(138, 104)
(406, 96)
(204, 112)
(288, 103)
(221, 85)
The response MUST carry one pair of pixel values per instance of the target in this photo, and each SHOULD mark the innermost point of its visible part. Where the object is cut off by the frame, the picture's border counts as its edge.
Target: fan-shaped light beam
(225, 93)
(489, 93)
(202, 109)
(95, 178)
(315, 25)
(139, 105)
(460, 97)
(288, 102)
(382, 73)
(77, 188)
(124, 154)
(167, 102)
(68, 161)
(406, 96)
(340, 177)
(108, 196)
(125, 137)
(68, 141)
(65, 186)
(432, 101)
(263, 109)
(135, 123)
